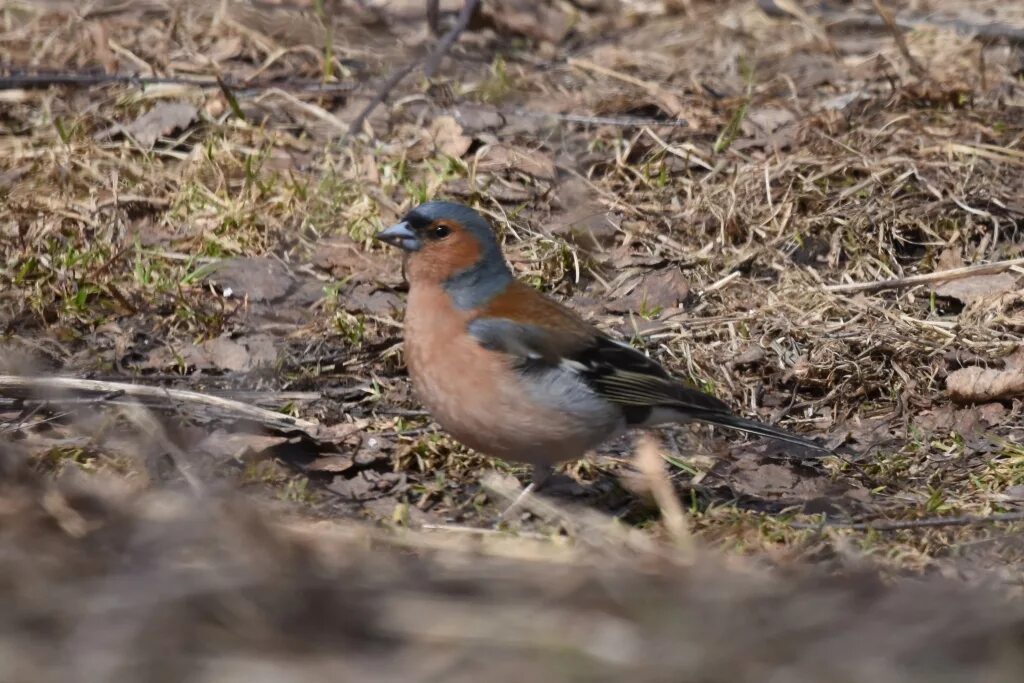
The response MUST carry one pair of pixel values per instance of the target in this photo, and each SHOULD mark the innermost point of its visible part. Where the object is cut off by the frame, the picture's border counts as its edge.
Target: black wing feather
(619, 373)
(627, 377)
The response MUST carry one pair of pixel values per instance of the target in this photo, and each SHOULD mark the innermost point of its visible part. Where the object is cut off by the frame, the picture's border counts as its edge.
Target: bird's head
(451, 245)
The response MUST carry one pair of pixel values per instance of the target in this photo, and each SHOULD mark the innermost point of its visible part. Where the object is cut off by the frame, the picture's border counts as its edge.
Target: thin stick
(788, 7)
(650, 462)
(15, 386)
(431, 65)
(901, 40)
(434, 16)
(928, 522)
(16, 80)
(938, 276)
(986, 33)
(448, 40)
(622, 121)
(148, 424)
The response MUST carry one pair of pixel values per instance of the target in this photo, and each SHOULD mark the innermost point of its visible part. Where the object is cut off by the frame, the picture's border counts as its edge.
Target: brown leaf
(260, 278)
(367, 298)
(766, 120)
(337, 433)
(500, 157)
(537, 20)
(965, 421)
(161, 120)
(503, 192)
(475, 118)
(981, 385)
(750, 355)
(443, 136)
(769, 480)
(239, 445)
(582, 218)
(333, 464)
(242, 354)
(227, 354)
(971, 289)
(358, 487)
(343, 258)
(448, 137)
(656, 291)
(191, 356)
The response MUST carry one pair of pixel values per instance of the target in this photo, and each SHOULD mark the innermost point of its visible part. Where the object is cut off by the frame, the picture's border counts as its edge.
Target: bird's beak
(400, 235)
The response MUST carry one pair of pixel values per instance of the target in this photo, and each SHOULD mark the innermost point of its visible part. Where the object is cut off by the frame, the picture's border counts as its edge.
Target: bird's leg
(541, 473)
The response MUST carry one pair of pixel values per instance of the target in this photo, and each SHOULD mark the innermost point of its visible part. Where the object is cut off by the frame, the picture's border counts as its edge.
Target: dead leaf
(748, 356)
(656, 291)
(508, 193)
(950, 258)
(227, 354)
(807, 70)
(500, 157)
(163, 119)
(242, 354)
(367, 298)
(170, 356)
(970, 289)
(259, 278)
(473, 118)
(356, 488)
(981, 385)
(332, 464)
(343, 258)
(448, 137)
(583, 218)
(963, 421)
(1014, 493)
(766, 120)
(443, 136)
(337, 433)
(239, 445)
(540, 21)
(770, 480)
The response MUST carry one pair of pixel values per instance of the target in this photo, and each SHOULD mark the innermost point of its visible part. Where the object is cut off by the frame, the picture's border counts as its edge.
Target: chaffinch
(512, 373)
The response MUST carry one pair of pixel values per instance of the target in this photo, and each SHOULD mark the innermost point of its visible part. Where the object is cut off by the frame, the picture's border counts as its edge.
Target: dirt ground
(757, 194)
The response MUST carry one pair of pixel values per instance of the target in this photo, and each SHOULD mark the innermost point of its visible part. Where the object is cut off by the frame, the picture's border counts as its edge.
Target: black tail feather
(752, 427)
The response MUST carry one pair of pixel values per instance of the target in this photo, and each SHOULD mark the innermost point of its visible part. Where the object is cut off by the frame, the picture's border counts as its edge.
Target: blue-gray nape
(474, 286)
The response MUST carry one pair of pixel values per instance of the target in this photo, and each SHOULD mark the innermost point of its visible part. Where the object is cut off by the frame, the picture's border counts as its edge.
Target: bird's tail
(741, 424)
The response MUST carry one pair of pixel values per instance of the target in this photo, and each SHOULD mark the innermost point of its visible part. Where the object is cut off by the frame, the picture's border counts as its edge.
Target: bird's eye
(440, 231)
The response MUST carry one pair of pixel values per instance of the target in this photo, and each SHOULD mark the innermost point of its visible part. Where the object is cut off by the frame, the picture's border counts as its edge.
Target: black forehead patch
(417, 221)
(425, 215)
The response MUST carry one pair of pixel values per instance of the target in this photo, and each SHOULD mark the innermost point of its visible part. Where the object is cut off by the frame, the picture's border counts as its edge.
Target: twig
(448, 40)
(927, 522)
(20, 387)
(901, 40)
(650, 462)
(790, 8)
(938, 276)
(985, 33)
(434, 16)
(623, 121)
(430, 66)
(393, 80)
(664, 98)
(148, 424)
(16, 80)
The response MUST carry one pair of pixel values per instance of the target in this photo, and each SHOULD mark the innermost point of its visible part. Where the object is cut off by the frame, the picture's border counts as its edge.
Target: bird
(512, 373)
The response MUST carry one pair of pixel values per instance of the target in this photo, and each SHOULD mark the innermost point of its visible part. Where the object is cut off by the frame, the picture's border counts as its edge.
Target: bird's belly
(486, 404)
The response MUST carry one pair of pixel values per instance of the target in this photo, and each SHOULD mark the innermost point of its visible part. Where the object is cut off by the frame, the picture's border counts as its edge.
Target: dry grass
(811, 157)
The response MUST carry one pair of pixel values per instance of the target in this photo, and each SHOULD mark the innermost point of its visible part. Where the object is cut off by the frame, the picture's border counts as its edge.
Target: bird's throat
(475, 286)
